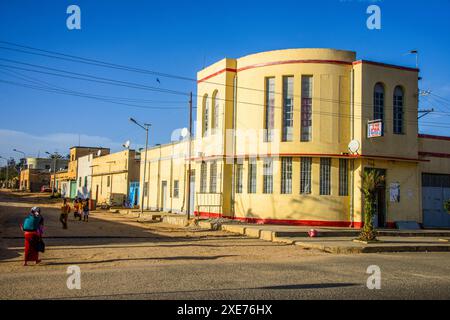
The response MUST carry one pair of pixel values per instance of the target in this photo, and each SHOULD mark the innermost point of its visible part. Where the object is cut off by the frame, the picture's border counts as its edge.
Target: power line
(78, 59)
(92, 78)
(40, 82)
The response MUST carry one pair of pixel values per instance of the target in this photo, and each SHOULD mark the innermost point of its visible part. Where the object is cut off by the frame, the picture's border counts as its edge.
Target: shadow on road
(306, 286)
(138, 259)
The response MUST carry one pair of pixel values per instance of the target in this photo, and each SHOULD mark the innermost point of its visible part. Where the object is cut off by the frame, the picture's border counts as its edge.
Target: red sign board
(375, 129)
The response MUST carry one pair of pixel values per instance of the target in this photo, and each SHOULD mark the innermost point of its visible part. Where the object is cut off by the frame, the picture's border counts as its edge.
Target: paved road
(122, 259)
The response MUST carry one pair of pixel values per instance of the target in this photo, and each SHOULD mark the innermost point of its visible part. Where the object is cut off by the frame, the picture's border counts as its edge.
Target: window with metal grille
(286, 175)
(398, 110)
(213, 177)
(145, 189)
(205, 115)
(325, 176)
(378, 102)
(305, 175)
(288, 108)
(251, 181)
(203, 177)
(268, 176)
(270, 109)
(215, 112)
(239, 177)
(306, 111)
(343, 177)
(176, 189)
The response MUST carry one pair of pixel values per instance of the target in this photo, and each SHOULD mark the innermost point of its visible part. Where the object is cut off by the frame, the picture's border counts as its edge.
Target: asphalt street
(120, 258)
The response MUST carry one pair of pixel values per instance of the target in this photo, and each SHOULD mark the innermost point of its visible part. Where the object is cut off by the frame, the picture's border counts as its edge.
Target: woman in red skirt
(33, 229)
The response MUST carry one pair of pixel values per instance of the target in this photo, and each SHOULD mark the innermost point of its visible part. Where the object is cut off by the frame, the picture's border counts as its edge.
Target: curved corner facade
(272, 142)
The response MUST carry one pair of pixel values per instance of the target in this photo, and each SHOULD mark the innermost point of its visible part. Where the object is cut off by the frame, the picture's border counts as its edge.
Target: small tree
(371, 181)
(447, 205)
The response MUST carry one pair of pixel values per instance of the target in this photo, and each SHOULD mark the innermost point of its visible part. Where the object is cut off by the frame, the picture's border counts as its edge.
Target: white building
(84, 176)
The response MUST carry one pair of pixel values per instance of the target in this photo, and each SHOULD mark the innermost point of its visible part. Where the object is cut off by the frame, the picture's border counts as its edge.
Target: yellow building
(112, 175)
(284, 137)
(66, 181)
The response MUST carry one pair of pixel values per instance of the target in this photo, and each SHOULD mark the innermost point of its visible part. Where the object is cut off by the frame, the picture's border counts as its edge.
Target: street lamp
(54, 156)
(7, 173)
(144, 126)
(21, 163)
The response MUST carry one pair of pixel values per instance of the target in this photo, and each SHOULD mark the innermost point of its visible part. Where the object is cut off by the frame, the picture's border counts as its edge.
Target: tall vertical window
(251, 181)
(306, 111)
(205, 115)
(325, 176)
(398, 110)
(85, 181)
(215, 112)
(176, 188)
(108, 181)
(305, 175)
(286, 175)
(239, 177)
(213, 177)
(378, 102)
(145, 189)
(343, 177)
(270, 109)
(288, 108)
(203, 177)
(268, 176)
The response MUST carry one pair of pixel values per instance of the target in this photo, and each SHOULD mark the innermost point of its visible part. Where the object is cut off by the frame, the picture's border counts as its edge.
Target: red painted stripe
(386, 65)
(312, 223)
(317, 61)
(430, 136)
(273, 63)
(216, 73)
(434, 154)
(330, 155)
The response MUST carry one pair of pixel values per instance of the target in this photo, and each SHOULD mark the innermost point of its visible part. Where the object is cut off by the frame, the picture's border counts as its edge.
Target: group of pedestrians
(33, 226)
(80, 210)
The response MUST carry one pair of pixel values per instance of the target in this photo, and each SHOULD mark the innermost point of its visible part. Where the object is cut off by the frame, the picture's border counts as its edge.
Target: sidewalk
(338, 240)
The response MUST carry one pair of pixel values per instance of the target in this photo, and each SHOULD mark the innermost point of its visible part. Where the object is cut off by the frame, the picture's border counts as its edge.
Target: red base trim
(434, 137)
(310, 223)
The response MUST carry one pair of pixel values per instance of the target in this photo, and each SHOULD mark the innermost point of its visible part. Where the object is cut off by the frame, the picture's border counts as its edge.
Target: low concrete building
(84, 176)
(66, 181)
(33, 180)
(37, 172)
(112, 176)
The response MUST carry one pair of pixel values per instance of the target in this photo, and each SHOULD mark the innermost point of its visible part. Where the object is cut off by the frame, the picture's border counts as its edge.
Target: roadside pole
(188, 209)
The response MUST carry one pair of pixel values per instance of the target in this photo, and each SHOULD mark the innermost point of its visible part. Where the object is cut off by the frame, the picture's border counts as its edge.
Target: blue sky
(180, 37)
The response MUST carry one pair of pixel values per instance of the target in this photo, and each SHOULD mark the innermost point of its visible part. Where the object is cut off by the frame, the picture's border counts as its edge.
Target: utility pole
(146, 127)
(54, 156)
(188, 216)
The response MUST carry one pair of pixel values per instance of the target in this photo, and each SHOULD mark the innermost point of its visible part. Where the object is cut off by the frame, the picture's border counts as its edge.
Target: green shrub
(447, 205)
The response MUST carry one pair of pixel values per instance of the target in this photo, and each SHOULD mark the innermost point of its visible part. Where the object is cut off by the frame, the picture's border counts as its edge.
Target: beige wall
(119, 169)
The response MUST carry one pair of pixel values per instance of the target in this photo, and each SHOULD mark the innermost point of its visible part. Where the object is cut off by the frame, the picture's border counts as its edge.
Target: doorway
(163, 195)
(379, 218)
(192, 193)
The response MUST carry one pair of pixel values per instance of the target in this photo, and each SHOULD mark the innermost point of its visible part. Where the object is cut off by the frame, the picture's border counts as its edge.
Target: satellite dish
(184, 132)
(354, 146)
(126, 145)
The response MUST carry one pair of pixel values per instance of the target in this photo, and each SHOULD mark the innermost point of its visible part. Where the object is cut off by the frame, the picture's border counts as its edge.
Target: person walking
(86, 210)
(77, 208)
(65, 210)
(33, 228)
